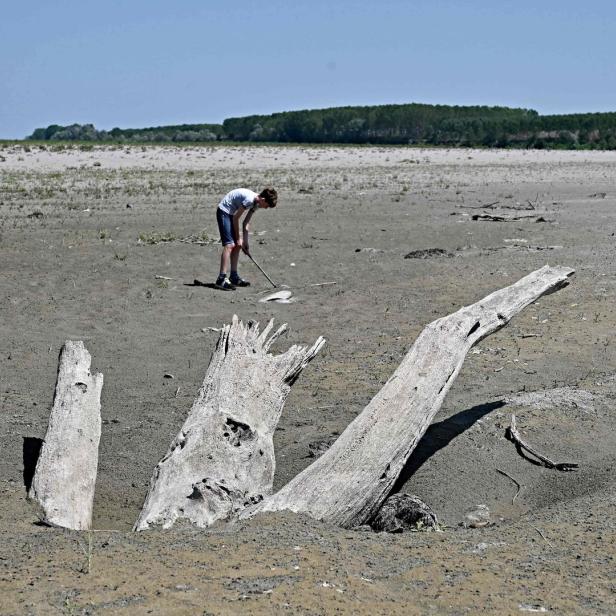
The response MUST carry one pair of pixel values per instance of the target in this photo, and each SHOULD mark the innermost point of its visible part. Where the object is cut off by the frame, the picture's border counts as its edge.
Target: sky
(138, 63)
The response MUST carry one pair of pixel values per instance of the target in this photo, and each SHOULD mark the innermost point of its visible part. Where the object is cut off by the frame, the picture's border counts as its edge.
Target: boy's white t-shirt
(234, 200)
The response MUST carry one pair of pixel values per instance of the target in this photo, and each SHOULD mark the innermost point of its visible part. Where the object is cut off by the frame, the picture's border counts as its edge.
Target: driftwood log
(223, 457)
(348, 484)
(65, 475)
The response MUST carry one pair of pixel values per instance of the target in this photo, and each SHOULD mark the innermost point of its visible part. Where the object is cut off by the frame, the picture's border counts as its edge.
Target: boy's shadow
(198, 283)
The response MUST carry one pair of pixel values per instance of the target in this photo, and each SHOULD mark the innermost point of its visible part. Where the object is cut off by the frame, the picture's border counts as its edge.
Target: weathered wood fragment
(508, 217)
(223, 457)
(480, 206)
(349, 482)
(514, 436)
(65, 475)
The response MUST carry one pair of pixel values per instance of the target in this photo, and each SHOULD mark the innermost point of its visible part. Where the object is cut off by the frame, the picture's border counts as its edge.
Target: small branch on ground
(508, 218)
(517, 483)
(544, 537)
(514, 436)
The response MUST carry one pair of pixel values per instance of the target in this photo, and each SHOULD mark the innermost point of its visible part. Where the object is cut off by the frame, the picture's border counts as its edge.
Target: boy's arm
(246, 228)
(236, 227)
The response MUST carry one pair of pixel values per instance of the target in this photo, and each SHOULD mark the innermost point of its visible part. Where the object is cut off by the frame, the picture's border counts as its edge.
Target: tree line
(185, 133)
(410, 124)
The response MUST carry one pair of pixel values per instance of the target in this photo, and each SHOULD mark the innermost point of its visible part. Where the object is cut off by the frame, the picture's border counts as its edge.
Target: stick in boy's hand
(261, 269)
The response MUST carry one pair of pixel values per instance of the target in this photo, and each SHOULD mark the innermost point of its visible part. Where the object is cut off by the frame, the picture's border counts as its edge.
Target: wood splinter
(514, 436)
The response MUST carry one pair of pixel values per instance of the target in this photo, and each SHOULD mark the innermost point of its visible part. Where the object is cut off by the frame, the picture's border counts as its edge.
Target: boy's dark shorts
(225, 227)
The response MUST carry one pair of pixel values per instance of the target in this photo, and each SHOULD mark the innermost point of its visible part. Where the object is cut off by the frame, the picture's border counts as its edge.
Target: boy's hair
(270, 195)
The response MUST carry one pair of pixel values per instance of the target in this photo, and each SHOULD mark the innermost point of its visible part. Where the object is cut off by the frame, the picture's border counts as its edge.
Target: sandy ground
(73, 267)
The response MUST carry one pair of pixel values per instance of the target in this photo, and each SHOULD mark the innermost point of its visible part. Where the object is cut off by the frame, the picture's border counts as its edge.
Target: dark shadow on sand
(31, 452)
(439, 435)
(198, 283)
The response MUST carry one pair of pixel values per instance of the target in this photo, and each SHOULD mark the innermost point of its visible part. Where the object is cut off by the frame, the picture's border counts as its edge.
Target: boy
(230, 209)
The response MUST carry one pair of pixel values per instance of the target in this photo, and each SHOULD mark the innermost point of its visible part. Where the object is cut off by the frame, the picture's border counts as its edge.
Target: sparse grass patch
(156, 237)
(201, 238)
(87, 552)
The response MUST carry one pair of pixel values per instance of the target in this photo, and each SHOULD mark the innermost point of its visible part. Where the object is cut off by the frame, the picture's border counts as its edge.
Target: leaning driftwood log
(223, 458)
(349, 482)
(65, 475)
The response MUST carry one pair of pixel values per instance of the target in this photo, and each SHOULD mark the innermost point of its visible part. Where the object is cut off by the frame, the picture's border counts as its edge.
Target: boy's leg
(225, 260)
(226, 237)
(222, 282)
(235, 257)
(235, 277)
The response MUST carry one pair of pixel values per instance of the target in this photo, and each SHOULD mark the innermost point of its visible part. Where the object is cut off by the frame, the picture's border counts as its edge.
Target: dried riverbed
(103, 245)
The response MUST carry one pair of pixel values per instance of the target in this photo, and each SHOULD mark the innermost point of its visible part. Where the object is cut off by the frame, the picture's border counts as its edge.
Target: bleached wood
(514, 436)
(349, 482)
(65, 475)
(223, 457)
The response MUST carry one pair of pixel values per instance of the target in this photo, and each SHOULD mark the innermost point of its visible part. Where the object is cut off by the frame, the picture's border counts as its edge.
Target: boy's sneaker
(236, 281)
(224, 284)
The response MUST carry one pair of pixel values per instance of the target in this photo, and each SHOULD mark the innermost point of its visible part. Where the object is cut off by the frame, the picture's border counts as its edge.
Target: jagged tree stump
(65, 475)
(349, 482)
(223, 457)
